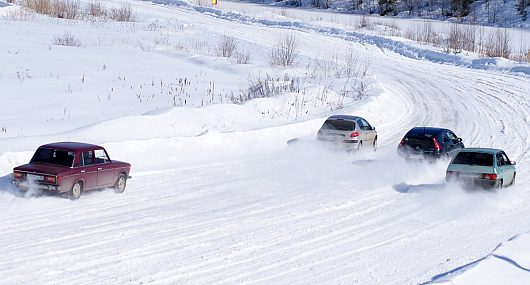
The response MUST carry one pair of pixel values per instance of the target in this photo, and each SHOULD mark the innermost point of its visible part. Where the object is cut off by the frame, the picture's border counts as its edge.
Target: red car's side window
(87, 158)
(101, 156)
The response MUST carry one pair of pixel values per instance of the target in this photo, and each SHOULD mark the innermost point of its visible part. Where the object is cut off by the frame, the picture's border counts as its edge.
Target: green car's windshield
(474, 158)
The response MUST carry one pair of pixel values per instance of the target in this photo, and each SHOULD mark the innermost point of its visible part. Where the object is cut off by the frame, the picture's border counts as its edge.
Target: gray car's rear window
(474, 158)
(340, 125)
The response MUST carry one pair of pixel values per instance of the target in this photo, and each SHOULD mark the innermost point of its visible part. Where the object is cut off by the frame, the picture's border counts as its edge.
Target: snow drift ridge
(401, 48)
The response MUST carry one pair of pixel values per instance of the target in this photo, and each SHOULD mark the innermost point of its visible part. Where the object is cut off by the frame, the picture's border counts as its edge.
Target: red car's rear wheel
(75, 193)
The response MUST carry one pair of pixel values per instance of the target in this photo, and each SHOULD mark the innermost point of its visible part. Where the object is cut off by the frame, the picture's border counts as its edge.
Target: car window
(360, 123)
(451, 136)
(506, 159)
(474, 158)
(500, 160)
(424, 141)
(443, 137)
(87, 158)
(101, 156)
(341, 125)
(366, 125)
(53, 156)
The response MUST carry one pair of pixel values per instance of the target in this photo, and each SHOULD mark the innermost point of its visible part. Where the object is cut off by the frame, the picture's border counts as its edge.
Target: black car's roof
(426, 130)
(71, 146)
(344, 117)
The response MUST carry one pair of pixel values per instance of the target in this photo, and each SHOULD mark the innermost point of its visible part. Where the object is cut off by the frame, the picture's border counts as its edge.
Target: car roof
(426, 130)
(481, 149)
(344, 117)
(71, 146)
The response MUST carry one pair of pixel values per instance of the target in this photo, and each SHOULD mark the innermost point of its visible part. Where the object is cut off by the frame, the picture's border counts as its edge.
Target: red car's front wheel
(121, 184)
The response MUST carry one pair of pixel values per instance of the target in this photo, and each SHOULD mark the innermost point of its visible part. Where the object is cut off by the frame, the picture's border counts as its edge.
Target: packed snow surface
(509, 263)
(217, 195)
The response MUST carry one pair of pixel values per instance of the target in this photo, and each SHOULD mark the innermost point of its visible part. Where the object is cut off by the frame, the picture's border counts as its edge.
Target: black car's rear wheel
(121, 183)
(75, 193)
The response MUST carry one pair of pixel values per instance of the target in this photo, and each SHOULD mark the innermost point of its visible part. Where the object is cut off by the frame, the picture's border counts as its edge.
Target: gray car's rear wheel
(75, 193)
(121, 183)
(359, 146)
(375, 144)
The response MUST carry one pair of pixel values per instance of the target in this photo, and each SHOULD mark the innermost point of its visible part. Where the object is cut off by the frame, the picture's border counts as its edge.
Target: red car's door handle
(82, 171)
(99, 168)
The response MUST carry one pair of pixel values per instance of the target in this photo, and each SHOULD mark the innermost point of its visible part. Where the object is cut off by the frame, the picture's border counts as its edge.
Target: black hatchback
(429, 143)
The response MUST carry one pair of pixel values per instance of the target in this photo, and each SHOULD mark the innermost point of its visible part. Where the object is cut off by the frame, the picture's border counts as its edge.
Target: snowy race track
(243, 207)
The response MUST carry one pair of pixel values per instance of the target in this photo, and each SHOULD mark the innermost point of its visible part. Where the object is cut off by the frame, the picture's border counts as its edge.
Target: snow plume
(10, 190)
(6, 188)
(383, 171)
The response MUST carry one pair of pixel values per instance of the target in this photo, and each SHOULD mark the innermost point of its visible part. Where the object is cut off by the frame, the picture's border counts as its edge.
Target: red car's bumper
(25, 186)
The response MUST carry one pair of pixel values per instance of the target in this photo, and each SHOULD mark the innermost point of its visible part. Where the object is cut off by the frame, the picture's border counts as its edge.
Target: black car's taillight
(437, 146)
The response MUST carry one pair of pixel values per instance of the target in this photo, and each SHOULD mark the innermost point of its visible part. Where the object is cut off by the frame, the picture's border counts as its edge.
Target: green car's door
(505, 169)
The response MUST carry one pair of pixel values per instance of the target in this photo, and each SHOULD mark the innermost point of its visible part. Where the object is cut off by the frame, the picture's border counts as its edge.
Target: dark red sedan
(71, 167)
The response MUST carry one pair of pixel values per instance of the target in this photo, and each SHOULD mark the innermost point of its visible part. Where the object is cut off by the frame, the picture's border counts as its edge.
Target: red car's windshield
(53, 156)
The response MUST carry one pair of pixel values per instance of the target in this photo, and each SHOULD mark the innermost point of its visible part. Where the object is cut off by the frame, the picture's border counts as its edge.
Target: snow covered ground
(507, 264)
(217, 196)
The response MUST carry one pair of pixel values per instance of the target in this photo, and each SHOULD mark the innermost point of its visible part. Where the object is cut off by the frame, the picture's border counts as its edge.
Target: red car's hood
(121, 163)
(41, 168)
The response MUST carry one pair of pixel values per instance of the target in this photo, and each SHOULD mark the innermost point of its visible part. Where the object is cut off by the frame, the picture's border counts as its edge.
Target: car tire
(499, 185)
(76, 191)
(359, 146)
(513, 180)
(121, 183)
(375, 144)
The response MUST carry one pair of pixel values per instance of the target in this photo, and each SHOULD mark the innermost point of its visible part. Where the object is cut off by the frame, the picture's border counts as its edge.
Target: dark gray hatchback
(429, 143)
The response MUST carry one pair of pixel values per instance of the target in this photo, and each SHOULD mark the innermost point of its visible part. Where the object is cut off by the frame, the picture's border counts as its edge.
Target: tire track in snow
(256, 222)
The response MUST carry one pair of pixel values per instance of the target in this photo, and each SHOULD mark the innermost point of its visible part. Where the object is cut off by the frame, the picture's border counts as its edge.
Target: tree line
(426, 8)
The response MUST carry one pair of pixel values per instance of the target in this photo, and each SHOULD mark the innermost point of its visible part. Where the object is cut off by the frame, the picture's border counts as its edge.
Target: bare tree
(122, 14)
(66, 39)
(498, 44)
(285, 52)
(227, 46)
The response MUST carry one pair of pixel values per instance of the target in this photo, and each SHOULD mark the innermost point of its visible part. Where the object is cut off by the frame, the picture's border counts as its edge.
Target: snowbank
(509, 263)
(402, 48)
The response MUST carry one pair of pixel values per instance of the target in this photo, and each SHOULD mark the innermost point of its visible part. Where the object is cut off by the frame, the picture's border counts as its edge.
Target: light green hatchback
(482, 167)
